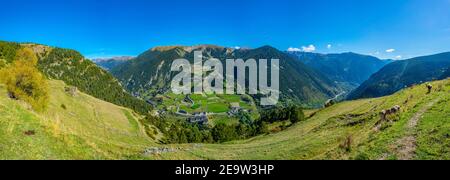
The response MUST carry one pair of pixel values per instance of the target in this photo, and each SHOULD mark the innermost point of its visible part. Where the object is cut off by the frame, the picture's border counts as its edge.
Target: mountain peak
(118, 58)
(267, 47)
(204, 47)
(164, 48)
(201, 47)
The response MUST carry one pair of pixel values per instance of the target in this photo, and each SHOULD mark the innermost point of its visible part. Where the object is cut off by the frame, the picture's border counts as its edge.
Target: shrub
(347, 144)
(23, 80)
(2, 63)
(296, 115)
(362, 156)
(292, 113)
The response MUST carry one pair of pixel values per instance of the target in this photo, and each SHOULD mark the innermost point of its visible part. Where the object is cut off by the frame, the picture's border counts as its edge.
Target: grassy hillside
(420, 131)
(73, 127)
(74, 69)
(82, 127)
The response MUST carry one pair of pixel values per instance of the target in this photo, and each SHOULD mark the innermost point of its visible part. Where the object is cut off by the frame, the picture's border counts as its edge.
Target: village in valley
(204, 109)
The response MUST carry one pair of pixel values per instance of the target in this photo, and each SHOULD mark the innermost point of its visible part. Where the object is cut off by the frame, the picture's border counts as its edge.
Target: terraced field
(204, 103)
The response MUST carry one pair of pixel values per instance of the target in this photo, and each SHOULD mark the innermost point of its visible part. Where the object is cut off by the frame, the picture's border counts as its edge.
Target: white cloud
(390, 50)
(237, 47)
(293, 49)
(398, 57)
(310, 48)
(329, 46)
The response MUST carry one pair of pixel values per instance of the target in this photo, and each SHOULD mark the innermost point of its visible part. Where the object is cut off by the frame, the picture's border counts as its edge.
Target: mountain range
(346, 67)
(101, 120)
(149, 74)
(306, 78)
(400, 74)
(446, 74)
(112, 62)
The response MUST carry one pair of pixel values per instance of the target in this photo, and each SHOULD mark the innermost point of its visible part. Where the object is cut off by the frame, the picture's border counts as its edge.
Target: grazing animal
(329, 103)
(385, 113)
(395, 109)
(388, 112)
(430, 87)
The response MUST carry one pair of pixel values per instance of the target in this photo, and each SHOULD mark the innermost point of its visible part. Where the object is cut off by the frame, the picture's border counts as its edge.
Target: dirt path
(406, 146)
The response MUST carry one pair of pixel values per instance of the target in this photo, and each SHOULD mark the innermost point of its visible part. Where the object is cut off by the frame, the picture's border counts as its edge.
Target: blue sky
(101, 28)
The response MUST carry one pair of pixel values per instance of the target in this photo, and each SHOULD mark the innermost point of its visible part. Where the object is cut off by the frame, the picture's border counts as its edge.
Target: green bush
(2, 63)
(8, 50)
(292, 113)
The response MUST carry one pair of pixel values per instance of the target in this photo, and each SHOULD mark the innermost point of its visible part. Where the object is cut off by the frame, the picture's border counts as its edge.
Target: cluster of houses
(199, 118)
(188, 99)
(202, 117)
(234, 109)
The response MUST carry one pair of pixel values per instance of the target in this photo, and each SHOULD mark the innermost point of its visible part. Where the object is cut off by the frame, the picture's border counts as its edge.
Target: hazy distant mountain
(346, 67)
(149, 74)
(400, 74)
(109, 63)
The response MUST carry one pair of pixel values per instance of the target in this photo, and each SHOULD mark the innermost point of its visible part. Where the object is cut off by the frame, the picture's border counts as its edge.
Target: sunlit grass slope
(324, 135)
(73, 127)
(82, 127)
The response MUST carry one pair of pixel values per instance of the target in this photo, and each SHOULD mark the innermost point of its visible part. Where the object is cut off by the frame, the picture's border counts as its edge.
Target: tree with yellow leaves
(24, 81)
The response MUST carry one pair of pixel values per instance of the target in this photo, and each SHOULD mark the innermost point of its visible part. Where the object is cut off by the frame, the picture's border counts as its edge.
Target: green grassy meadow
(82, 127)
(323, 135)
(79, 127)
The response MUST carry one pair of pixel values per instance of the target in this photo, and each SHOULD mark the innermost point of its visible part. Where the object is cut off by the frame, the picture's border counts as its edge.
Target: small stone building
(71, 90)
(234, 109)
(199, 118)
